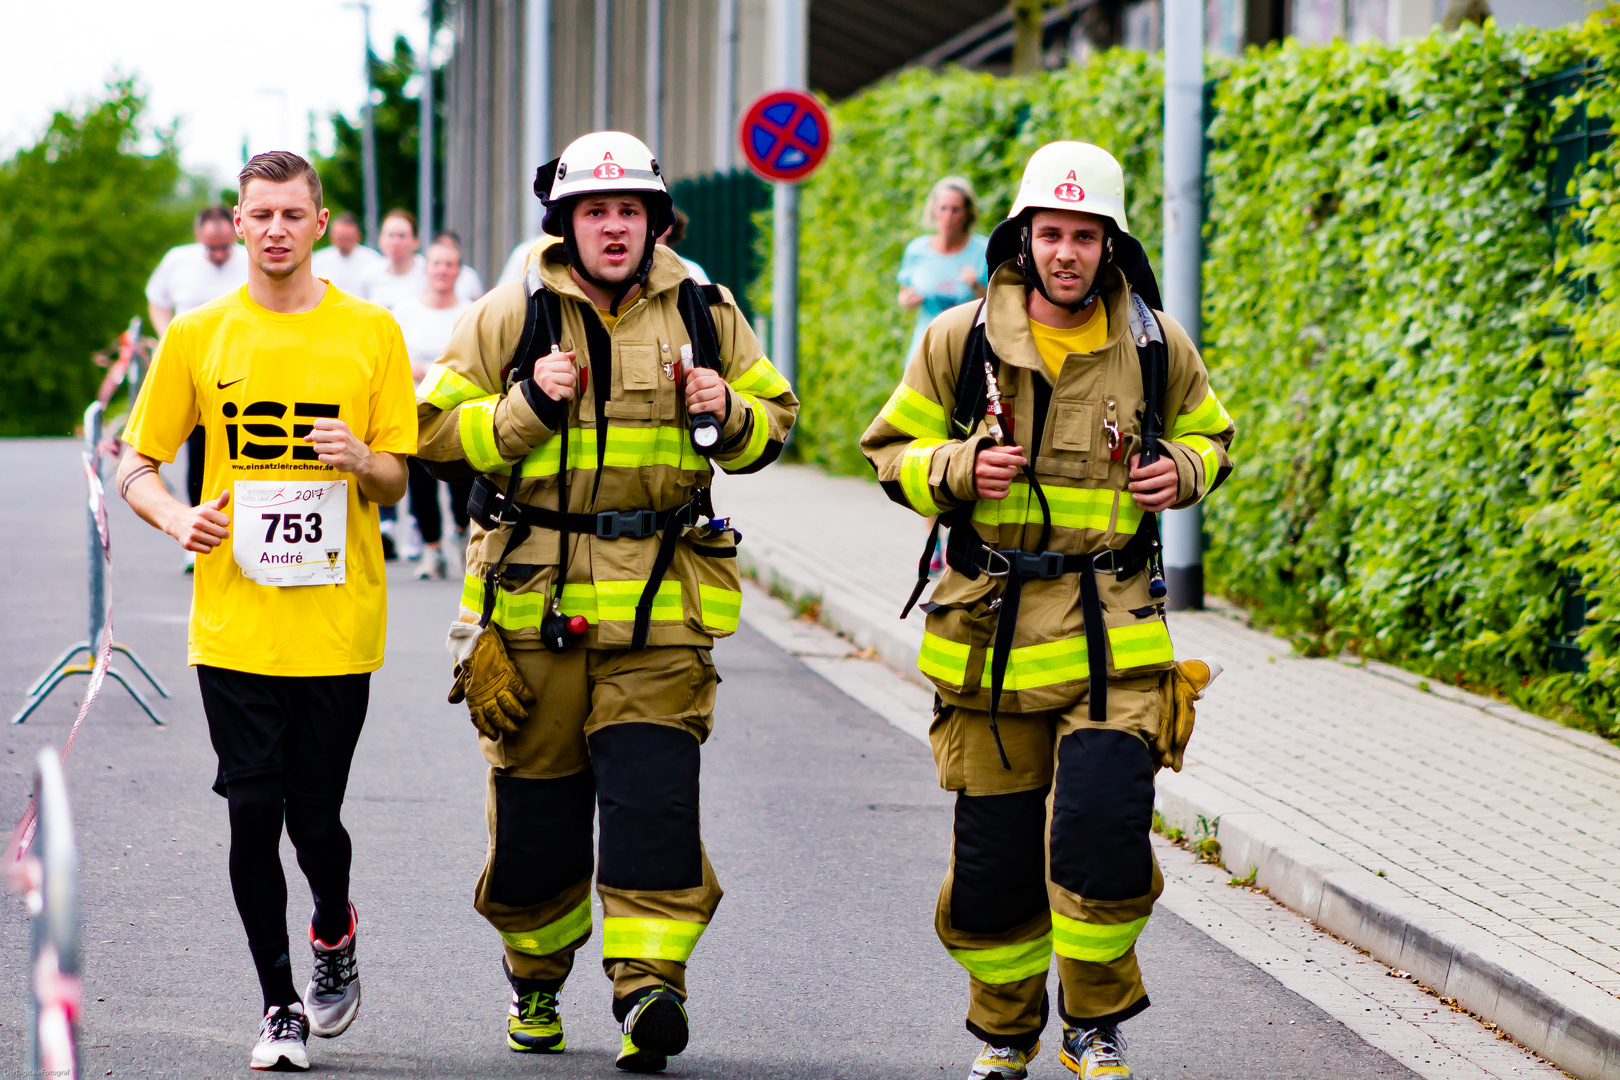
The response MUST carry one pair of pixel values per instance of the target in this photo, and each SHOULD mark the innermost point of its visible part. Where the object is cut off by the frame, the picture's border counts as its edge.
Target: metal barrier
(47, 876)
(99, 636)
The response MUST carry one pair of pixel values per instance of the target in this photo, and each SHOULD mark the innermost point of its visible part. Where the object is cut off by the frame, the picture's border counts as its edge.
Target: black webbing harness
(492, 508)
(969, 555)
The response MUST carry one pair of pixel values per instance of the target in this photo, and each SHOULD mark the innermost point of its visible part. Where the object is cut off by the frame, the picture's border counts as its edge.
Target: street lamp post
(425, 146)
(790, 59)
(368, 135)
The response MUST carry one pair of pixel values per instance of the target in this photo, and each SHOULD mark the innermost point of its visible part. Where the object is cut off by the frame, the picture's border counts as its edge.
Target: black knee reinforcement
(1102, 815)
(1000, 846)
(542, 837)
(647, 786)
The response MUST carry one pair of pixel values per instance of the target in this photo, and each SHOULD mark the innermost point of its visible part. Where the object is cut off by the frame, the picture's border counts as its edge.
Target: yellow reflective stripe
(1046, 664)
(476, 425)
(1209, 418)
(762, 380)
(943, 659)
(1072, 508)
(722, 608)
(757, 437)
(649, 939)
(444, 389)
(1007, 963)
(1090, 941)
(914, 414)
(554, 936)
(1205, 449)
(1142, 644)
(579, 600)
(627, 448)
(616, 600)
(914, 465)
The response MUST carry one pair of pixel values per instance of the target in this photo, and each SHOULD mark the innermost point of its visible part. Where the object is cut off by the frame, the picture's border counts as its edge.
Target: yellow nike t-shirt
(1055, 345)
(255, 379)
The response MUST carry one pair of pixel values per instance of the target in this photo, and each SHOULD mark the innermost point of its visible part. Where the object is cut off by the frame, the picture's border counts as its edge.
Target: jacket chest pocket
(1073, 423)
(644, 392)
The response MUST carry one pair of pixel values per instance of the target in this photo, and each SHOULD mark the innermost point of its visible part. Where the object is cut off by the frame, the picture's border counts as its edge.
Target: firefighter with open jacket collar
(1049, 766)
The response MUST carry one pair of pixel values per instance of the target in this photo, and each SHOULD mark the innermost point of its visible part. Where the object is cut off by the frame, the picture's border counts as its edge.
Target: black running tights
(258, 805)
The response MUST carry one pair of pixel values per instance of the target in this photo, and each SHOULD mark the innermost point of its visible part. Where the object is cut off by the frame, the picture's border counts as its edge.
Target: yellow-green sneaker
(533, 1025)
(655, 1029)
(1003, 1062)
(1096, 1053)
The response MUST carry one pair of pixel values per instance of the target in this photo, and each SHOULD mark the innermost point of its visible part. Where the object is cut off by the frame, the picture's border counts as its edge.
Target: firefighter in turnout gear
(593, 397)
(1039, 424)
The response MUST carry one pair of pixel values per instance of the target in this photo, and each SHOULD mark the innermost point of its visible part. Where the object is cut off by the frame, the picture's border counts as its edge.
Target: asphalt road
(823, 822)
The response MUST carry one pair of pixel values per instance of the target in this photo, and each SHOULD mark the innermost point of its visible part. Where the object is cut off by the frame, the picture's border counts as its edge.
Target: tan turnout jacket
(466, 412)
(922, 467)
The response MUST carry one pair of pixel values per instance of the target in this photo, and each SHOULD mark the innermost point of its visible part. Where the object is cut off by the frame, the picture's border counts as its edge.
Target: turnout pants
(1052, 856)
(617, 730)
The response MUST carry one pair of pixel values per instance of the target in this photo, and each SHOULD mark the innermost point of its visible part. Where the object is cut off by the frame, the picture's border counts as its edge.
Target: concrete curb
(1568, 1021)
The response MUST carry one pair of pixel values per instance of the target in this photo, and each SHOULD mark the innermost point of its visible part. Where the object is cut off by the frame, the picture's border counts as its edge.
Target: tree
(397, 119)
(85, 216)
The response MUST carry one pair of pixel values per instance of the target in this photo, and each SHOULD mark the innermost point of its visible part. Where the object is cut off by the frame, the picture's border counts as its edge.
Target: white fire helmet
(1073, 176)
(603, 162)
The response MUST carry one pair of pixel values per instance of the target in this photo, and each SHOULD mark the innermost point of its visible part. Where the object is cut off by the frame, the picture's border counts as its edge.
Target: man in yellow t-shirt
(305, 394)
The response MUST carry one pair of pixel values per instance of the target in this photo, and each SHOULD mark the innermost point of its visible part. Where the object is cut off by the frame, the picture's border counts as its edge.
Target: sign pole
(785, 282)
(1183, 256)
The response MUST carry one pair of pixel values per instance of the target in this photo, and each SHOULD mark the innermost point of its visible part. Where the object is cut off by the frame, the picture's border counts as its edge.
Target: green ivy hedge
(1426, 444)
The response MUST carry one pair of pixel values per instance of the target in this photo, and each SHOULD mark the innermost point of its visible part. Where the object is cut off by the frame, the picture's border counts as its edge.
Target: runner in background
(403, 274)
(305, 392)
(188, 277)
(426, 323)
(398, 279)
(346, 260)
(671, 238)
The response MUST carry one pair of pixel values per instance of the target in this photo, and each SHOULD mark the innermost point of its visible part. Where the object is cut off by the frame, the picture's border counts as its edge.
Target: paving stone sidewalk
(1472, 844)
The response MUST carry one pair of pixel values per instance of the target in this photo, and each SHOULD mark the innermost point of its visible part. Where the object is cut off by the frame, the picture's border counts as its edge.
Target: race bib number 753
(290, 532)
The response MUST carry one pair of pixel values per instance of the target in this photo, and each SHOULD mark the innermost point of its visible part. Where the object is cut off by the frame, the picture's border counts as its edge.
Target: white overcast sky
(223, 69)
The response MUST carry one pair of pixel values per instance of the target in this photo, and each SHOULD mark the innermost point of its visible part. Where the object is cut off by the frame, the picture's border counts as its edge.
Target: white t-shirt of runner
(345, 271)
(187, 279)
(382, 286)
(427, 329)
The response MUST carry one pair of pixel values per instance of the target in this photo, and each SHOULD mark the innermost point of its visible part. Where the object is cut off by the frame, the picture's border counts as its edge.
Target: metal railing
(47, 876)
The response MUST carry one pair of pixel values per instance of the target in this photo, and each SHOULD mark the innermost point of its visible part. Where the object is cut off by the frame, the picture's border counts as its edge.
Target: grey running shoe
(333, 994)
(281, 1040)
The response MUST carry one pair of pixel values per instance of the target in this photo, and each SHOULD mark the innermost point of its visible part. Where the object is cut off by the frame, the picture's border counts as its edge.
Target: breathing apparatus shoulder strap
(542, 330)
(694, 301)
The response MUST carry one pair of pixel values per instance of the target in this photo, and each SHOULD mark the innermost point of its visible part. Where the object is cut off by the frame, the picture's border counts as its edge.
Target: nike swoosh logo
(233, 382)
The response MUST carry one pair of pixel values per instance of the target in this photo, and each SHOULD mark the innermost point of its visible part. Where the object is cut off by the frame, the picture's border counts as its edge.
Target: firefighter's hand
(496, 695)
(202, 528)
(994, 469)
(556, 375)
(706, 393)
(1153, 486)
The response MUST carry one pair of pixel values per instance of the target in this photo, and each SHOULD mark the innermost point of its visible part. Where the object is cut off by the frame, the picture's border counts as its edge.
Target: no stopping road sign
(785, 135)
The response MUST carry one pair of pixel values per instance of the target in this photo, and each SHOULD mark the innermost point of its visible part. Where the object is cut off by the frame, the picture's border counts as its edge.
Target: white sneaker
(1003, 1063)
(188, 564)
(433, 564)
(410, 539)
(333, 993)
(281, 1040)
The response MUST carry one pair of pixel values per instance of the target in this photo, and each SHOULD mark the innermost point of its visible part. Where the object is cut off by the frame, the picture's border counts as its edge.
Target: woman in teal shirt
(940, 271)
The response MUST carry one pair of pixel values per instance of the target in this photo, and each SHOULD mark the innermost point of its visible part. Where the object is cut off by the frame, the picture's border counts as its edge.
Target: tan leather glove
(1180, 687)
(488, 681)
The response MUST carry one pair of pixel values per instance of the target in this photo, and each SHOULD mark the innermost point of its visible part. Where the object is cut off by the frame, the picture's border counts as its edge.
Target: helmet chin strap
(1033, 276)
(620, 289)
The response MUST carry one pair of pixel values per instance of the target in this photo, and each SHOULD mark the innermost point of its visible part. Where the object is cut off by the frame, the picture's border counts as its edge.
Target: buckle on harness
(632, 524)
(1046, 565)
